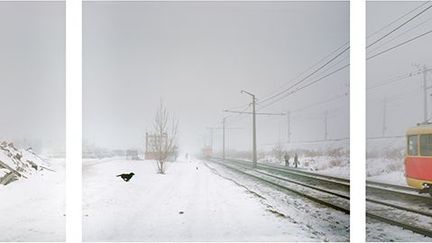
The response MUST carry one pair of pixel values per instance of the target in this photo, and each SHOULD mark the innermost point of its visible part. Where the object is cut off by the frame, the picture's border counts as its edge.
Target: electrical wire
(305, 78)
(394, 21)
(399, 45)
(399, 26)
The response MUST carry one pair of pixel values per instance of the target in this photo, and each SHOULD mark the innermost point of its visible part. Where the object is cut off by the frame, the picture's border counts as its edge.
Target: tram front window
(426, 145)
(412, 145)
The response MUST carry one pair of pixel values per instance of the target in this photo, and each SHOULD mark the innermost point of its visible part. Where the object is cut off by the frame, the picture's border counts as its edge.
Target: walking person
(296, 161)
(286, 158)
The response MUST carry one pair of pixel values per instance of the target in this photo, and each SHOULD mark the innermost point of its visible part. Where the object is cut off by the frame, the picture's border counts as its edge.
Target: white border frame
(73, 121)
(358, 120)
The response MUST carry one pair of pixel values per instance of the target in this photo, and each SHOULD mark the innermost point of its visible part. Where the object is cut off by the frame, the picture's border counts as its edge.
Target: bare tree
(165, 137)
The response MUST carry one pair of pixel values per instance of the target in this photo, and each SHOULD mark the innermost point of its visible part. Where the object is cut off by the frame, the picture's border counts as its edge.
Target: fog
(32, 73)
(197, 56)
(404, 97)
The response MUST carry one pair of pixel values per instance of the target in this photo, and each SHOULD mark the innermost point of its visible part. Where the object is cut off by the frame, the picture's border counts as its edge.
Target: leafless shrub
(165, 128)
(278, 151)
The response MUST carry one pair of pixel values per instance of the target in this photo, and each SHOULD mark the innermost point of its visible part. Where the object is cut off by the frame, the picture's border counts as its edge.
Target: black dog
(126, 177)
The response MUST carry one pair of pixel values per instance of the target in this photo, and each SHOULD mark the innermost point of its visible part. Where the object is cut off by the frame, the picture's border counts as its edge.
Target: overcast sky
(404, 105)
(32, 72)
(197, 56)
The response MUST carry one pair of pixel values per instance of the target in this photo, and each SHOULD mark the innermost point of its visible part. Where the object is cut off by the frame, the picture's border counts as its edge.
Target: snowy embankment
(386, 170)
(326, 224)
(18, 163)
(32, 196)
(188, 203)
(329, 165)
(385, 161)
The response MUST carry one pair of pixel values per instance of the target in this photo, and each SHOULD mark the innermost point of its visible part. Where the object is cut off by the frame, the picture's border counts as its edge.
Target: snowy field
(33, 209)
(386, 170)
(385, 161)
(189, 203)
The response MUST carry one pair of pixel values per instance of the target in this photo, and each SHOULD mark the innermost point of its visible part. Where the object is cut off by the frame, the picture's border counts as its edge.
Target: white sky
(404, 98)
(197, 56)
(32, 72)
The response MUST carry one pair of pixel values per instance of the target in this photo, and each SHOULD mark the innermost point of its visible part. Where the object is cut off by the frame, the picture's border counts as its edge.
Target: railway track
(332, 199)
(400, 206)
(391, 204)
(331, 183)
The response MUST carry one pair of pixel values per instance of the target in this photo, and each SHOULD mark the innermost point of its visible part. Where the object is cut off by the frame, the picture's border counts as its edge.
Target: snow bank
(18, 163)
(333, 161)
(385, 160)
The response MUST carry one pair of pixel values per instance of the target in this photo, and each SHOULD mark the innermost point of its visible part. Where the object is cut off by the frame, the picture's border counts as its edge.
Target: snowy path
(33, 209)
(148, 207)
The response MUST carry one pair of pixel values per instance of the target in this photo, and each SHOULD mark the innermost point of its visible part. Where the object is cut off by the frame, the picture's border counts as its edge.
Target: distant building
(132, 154)
(151, 153)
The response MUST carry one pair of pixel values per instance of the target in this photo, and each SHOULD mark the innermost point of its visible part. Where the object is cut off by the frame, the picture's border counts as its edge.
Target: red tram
(418, 159)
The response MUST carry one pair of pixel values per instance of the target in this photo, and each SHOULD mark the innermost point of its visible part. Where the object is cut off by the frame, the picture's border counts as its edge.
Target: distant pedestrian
(296, 161)
(286, 158)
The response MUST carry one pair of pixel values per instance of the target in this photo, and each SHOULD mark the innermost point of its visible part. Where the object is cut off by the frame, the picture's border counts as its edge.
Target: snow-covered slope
(18, 163)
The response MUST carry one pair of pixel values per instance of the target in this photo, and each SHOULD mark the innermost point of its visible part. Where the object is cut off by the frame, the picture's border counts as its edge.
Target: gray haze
(32, 73)
(197, 56)
(405, 97)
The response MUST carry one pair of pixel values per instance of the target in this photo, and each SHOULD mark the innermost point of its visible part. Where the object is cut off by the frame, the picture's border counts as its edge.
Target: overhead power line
(311, 67)
(399, 26)
(401, 34)
(304, 86)
(305, 78)
(311, 141)
(323, 102)
(400, 44)
(396, 79)
(394, 21)
(256, 113)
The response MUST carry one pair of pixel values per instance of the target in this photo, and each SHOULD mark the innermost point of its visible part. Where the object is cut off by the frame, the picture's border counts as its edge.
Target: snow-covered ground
(323, 164)
(32, 209)
(381, 232)
(324, 223)
(386, 170)
(189, 203)
(384, 162)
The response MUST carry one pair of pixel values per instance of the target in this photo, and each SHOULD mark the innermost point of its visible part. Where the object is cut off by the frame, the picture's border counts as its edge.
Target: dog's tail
(118, 175)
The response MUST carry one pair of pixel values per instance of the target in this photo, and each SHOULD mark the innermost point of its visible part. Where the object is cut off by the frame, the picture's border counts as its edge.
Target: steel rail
(312, 198)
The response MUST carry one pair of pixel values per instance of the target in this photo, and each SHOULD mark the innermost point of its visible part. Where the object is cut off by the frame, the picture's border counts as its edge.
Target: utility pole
(325, 125)
(425, 93)
(254, 152)
(223, 138)
(289, 126)
(384, 127)
(223, 128)
(254, 114)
